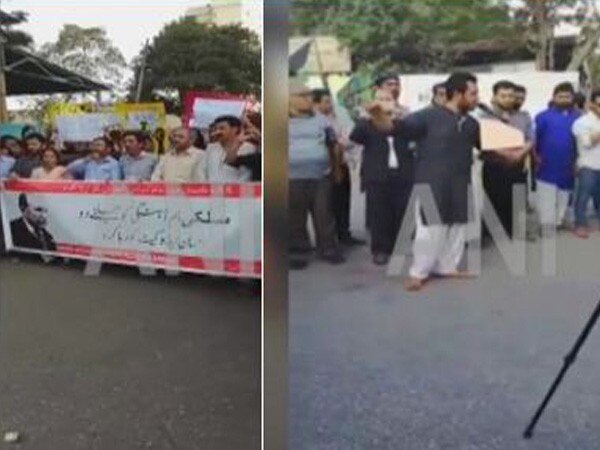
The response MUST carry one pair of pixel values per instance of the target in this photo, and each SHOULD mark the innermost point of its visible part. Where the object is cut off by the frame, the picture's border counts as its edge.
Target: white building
(247, 13)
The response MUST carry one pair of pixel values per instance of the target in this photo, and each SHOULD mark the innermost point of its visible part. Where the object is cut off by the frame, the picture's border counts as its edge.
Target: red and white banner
(202, 228)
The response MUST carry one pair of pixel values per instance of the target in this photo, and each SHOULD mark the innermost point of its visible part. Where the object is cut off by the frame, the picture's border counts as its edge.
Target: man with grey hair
(314, 158)
(184, 163)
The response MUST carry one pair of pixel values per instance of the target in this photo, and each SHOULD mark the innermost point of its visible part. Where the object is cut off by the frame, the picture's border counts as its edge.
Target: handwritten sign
(84, 127)
(197, 228)
(207, 110)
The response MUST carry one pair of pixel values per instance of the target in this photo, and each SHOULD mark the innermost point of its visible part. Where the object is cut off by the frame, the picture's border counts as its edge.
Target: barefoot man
(446, 136)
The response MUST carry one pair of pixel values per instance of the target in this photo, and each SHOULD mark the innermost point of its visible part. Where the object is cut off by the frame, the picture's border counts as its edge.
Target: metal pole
(3, 107)
(569, 360)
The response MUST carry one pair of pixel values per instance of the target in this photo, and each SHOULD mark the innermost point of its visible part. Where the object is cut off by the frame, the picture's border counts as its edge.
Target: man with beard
(556, 153)
(34, 144)
(438, 94)
(500, 177)
(445, 136)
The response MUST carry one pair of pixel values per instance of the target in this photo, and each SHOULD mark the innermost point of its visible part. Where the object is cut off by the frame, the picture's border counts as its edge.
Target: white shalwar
(552, 203)
(437, 249)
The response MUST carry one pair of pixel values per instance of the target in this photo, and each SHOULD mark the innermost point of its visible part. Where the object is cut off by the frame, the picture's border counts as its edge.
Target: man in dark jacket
(29, 230)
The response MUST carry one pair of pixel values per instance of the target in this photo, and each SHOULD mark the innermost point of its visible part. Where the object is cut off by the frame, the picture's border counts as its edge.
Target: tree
(18, 38)
(541, 17)
(187, 56)
(88, 52)
(589, 36)
(413, 35)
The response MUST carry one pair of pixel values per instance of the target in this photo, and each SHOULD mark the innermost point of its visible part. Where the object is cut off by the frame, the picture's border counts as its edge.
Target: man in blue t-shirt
(312, 158)
(98, 165)
(556, 153)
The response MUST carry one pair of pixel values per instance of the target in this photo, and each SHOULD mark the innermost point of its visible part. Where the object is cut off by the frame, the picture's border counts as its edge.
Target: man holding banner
(136, 164)
(34, 144)
(184, 163)
(98, 166)
(223, 153)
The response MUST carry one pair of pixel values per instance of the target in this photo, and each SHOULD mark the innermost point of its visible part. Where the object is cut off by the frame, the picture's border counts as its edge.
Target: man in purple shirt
(556, 152)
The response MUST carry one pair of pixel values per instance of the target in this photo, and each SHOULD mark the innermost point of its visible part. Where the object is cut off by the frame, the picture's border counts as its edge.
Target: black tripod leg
(569, 359)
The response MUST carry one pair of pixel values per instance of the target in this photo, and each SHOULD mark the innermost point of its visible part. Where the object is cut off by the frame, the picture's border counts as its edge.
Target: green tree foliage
(88, 52)
(15, 37)
(412, 35)
(188, 56)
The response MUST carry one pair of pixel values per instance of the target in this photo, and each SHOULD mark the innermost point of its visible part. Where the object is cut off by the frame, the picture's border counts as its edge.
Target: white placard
(207, 110)
(84, 127)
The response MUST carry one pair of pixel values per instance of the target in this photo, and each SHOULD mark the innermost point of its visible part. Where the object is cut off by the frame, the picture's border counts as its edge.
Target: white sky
(128, 22)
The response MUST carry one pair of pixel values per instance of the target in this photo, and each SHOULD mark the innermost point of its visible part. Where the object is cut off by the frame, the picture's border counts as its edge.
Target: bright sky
(128, 22)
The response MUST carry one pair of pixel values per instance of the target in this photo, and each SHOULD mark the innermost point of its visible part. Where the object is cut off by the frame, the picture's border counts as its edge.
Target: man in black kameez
(445, 136)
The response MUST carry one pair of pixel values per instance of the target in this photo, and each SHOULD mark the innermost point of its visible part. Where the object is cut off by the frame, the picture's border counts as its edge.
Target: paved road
(461, 365)
(124, 362)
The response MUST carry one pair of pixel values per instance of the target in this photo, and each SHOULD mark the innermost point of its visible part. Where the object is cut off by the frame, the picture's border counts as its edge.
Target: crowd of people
(229, 152)
(436, 147)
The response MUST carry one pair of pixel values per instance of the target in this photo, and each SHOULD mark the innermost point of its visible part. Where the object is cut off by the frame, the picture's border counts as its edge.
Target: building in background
(247, 13)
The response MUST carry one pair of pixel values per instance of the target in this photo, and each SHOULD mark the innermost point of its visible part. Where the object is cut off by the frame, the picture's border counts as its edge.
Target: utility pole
(142, 74)
(3, 107)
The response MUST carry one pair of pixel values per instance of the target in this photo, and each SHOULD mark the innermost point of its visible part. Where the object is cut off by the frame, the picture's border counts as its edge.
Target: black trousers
(498, 182)
(311, 197)
(340, 196)
(387, 201)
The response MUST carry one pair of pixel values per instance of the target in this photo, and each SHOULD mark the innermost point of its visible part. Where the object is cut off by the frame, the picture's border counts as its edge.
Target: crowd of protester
(229, 152)
(437, 145)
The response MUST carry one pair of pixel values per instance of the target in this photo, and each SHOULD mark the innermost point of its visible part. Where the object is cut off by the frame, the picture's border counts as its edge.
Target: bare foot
(581, 233)
(412, 284)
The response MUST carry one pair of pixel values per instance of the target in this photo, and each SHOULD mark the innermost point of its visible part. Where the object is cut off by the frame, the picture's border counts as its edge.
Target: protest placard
(142, 116)
(202, 108)
(207, 110)
(85, 127)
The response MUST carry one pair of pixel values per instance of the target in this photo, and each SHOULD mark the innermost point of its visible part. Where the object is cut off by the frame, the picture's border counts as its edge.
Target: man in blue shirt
(556, 153)
(6, 165)
(312, 153)
(98, 166)
(136, 164)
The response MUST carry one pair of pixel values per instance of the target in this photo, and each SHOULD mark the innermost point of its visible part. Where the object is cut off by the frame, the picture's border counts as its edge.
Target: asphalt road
(461, 365)
(122, 361)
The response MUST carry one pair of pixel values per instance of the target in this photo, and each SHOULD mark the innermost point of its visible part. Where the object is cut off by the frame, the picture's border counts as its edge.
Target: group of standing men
(230, 157)
(435, 147)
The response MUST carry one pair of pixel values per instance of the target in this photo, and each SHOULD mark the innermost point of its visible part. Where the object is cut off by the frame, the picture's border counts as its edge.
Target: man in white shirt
(587, 132)
(222, 154)
(184, 163)
(342, 188)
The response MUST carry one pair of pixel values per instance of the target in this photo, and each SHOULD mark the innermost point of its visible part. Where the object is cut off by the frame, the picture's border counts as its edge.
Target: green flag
(357, 92)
